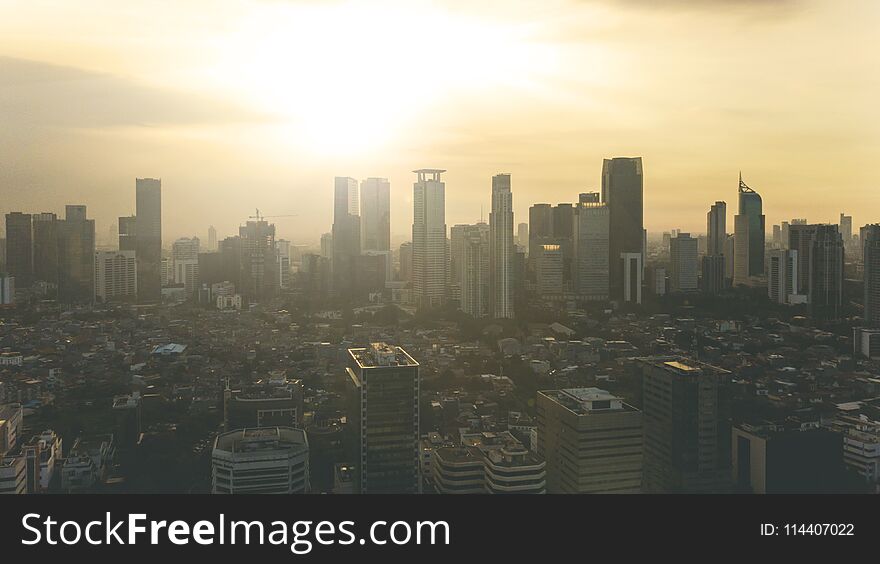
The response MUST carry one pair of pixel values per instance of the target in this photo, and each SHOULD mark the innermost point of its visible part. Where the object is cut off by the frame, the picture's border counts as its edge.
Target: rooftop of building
(682, 366)
(261, 439)
(588, 401)
(381, 355)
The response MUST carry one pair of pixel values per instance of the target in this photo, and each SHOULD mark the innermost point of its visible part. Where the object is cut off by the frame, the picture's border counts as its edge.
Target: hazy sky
(240, 105)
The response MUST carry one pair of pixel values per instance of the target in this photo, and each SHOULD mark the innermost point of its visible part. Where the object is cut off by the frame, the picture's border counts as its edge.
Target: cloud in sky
(35, 93)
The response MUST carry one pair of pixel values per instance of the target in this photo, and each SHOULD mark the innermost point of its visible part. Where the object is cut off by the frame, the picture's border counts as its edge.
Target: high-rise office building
(825, 295)
(327, 245)
(782, 276)
(406, 263)
(623, 193)
(716, 229)
(712, 274)
(540, 228)
(591, 441)
(563, 235)
(212, 239)
(501, 249)
(522, 236)
(45, 236)
(259, 275)
(346, 235)
(429, 249)
(282, 253)
(549, 272)
(384, 419)
(148, 192)
(267, 460)
(470, 267)
(687, 426)
(748, 261)
(633, 277)
(20, 248)
(871, 254)
(683, 256)
(375, 214)
(115, 275)
(128, 233)
(800, 238)
(76, 256)
(846, 228)
(591, 267)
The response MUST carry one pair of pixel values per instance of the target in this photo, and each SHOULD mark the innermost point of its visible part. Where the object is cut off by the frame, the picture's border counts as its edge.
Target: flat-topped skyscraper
(623, 193)
(501, 250)
(429, 277)
(375, 214)
(148, 193)
(384, 418)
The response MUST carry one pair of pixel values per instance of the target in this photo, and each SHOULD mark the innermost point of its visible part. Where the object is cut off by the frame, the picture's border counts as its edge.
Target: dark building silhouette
(871, 251)
(785, 459)
(128, 233)
(45, 227)
(687, 426)
(76, 257)
(20, 248)
(825, 297)
(148, 195)
(623, 193)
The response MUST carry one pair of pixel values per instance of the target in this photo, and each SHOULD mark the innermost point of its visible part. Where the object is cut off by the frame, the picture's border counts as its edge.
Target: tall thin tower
(429, 239)
(148, 193)
(501, 247)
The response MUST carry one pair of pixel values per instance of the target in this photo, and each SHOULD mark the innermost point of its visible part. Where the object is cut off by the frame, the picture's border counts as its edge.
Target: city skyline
(210, 106)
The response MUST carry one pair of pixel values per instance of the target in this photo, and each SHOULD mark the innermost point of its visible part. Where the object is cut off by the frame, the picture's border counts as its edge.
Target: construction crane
(260, 217)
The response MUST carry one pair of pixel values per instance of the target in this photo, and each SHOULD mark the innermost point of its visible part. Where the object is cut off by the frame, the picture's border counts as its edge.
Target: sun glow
(349, 79)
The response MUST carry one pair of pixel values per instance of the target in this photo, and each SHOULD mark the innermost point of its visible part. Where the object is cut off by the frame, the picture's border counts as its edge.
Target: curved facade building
(270, 460)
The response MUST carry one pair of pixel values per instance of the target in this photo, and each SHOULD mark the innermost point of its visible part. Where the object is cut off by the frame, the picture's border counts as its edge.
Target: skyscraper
(826, 274)
(258, 259)
(716, 229)
(623, 192)
(346, 235)
(76, 256)
(782, 275)
(872, 275)
(591, 269)
(522, 235)
(540, 228)
(748, 261)
(375, 214)
(683, 255)
(45, 227)
(128, 233)
(212, 239)
(800, 237)
(501, 248)
(384, 399)
(149, 239)
(687, 426)
(591, 440)
(429, 239)
(469, 264)
(549, 275)
(20, 248)
(846, 228)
